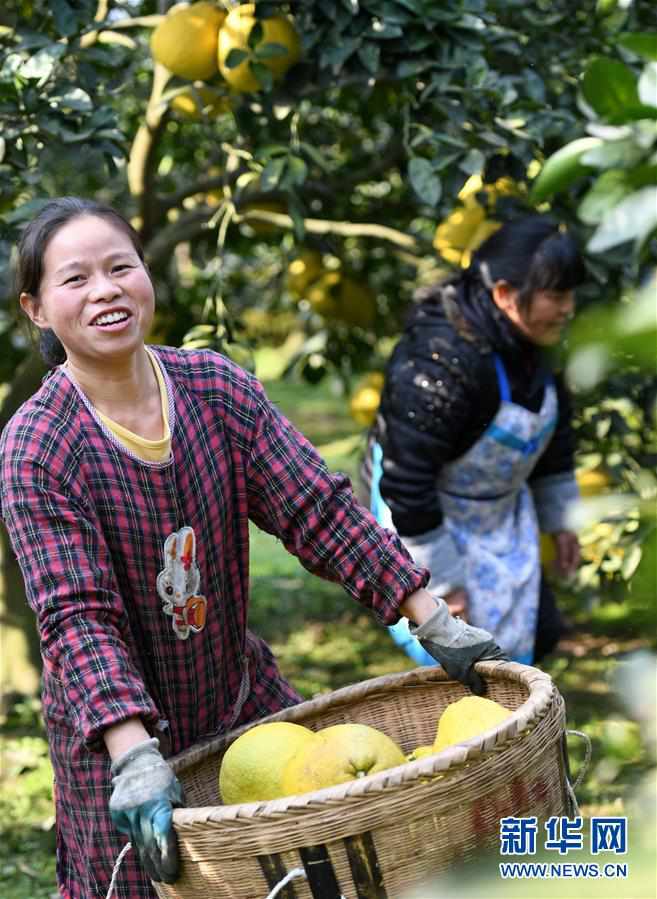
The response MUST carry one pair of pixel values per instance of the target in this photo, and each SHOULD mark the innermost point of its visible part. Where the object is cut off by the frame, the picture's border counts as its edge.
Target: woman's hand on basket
(141, 806)
(457, 645)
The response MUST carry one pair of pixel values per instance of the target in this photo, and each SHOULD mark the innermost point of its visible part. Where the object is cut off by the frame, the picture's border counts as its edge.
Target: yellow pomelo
(303, 271)
(357, 302)
(339, 754)
(476, 191)
(253, 766)
(234, 35)
(366, 398)
(467, 718)
(323, 294)
(482, 233)
(202, 100)
(343, 298)
(185, 42)
(468, 226)
(592, 482)
(454, 235)
(420, 752)
(462, 232)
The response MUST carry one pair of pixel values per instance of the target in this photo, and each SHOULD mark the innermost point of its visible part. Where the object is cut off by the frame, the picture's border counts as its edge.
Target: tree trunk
(20, 660)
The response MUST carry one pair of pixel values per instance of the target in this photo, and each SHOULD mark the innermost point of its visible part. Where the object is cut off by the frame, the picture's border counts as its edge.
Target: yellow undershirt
(148, 450)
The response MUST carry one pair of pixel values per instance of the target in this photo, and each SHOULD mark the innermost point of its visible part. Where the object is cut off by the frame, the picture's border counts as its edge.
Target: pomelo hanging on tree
(185, 42)
(278, 32)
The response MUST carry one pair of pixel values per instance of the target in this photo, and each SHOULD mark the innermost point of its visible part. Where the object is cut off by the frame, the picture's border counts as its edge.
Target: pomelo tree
(291, 193)
(612, 358)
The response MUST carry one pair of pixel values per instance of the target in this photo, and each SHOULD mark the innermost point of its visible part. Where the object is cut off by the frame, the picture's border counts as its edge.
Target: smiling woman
(127, 485)
(90, 288)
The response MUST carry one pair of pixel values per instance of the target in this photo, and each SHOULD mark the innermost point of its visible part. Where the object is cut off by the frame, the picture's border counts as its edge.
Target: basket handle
(571, 786)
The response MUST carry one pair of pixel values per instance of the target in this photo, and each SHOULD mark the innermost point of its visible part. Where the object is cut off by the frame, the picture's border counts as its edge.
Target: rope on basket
(115, 870)
(583, 769)
(291, 875)
(295, 872)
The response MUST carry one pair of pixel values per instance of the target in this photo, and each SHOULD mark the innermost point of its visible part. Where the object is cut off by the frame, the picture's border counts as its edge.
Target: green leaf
(64, 17)
(369, 54)
(296, 214)
(634, 218)
(271, 51)
(76, 99)
(473, 163)
(609, 86)
(315, 156)
(410, 67)
(641, 43)
(31, 40)
(297, 171)
(416, 6)
(384, 31)
(609, 189)
(634, 113)
(25, 212)
(623, 153)
(533, 85)
(272, 173)
(335, 56)
(255, 35)
(40, 65)
(562, 168)
(263, 75)
(424, 180)
(648, 85)
(631, 561)
(235, 57)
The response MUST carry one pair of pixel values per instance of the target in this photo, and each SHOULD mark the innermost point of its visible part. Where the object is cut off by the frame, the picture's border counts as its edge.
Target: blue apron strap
(502, 379)
(376, 500)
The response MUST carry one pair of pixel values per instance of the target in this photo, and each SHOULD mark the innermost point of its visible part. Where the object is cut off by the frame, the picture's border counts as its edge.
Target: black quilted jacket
(441, 393)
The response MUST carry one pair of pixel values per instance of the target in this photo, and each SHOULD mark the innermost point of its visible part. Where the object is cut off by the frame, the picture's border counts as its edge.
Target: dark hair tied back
(531, 253)
(51, 348)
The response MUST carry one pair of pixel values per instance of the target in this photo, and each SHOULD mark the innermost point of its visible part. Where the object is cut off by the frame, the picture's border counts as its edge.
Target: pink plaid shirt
(88, 521)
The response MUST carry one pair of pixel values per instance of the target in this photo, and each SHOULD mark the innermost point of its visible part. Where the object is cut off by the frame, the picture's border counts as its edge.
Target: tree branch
(325, 226)
(141, 163)
(189, 224)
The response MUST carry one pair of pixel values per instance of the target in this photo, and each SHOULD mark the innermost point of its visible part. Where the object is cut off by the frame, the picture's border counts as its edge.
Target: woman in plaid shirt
(127, 485)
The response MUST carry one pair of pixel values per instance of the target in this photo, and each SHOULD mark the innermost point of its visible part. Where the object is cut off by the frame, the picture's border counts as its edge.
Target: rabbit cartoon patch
(178, 583)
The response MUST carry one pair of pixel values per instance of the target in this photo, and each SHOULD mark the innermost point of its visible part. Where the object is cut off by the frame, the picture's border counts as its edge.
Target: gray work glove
(141, 806)
(457, 645)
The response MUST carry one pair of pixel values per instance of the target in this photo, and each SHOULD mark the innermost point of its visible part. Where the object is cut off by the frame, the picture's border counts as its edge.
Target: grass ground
(324, 640)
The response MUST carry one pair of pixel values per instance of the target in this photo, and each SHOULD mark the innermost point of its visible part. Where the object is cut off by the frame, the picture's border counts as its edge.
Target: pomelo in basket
(420, 752)
(467, 718)
(340, 753)
(252, 768)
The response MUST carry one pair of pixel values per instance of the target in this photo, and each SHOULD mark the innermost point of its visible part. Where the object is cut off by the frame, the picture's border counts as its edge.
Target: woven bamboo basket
(384, 834)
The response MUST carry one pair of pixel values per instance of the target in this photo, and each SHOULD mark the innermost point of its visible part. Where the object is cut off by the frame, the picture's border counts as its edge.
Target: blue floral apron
(489, 513)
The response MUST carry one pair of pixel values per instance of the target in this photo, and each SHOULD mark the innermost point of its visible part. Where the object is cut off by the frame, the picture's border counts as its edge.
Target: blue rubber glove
(457, 645)
(141, 806)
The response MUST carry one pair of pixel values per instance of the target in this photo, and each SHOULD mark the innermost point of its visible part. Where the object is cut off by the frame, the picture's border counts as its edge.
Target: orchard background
(290, 203)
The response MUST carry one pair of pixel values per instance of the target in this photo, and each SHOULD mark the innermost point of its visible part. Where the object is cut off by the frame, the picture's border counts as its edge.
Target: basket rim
(542, 693)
